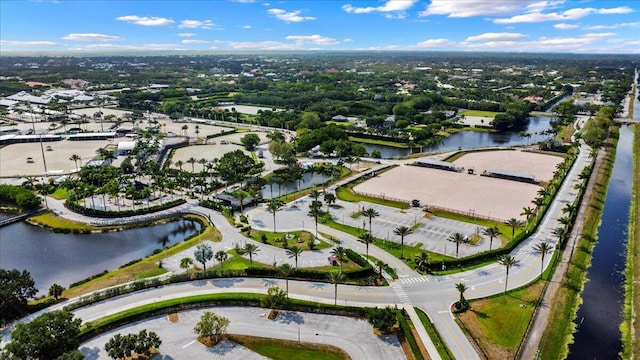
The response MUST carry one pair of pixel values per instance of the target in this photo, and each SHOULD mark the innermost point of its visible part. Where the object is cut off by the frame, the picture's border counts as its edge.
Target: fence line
(381, 196)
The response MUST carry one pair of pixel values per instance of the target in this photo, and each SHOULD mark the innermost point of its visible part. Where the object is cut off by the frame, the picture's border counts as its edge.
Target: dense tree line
(19, 196)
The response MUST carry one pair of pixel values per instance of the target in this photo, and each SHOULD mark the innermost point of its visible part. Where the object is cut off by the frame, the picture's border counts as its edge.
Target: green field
(479, 113)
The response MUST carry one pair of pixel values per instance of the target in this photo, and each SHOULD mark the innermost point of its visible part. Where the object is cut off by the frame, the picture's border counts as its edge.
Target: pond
(67, 258)
(464, 140)
(308, 180)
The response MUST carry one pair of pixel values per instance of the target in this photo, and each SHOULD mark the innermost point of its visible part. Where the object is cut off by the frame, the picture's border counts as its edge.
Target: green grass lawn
(498, 323)
(480, 113)
(378, 142)
(345, 193)
(298, 238)
(287, 350)
(59, 194)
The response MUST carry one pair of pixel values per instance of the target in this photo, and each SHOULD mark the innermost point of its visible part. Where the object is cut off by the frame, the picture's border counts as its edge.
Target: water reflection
(66, 258)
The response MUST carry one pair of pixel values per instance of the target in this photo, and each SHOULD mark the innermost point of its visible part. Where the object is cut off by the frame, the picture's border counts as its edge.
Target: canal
(600, 315)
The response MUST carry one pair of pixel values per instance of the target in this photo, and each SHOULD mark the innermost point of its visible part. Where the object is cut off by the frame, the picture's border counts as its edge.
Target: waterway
(308, 180)
(67, 258)
(599, 317)
(463, 140)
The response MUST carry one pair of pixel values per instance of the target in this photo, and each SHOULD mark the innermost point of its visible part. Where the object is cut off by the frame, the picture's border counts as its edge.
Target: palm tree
(491, 232)
(457, 238)
(286, 270)
(293, 252)
(402, 231)
(186, 263)
(380, 265)
(329, 198)
(564, 220)
(461, 287)
(340, 253)
(367, 239)
(335, 278)
(315, 211)
(422, 261)
(370, 213)
(315, 194)
(75, 158)
(513, 223)
(543, 192)
(569, 208)
(250, 249)
(192, 161)
(527, 212)
(274, 206)
(221, 256)
(542, 249)
(507, 261)
(562, 234)
(179, 164)
(184, 128)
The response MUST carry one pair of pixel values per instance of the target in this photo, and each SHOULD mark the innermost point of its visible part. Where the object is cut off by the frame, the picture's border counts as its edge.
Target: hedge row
(125, 213)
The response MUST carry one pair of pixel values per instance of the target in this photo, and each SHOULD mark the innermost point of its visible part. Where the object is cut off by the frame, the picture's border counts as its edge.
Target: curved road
(433, 294)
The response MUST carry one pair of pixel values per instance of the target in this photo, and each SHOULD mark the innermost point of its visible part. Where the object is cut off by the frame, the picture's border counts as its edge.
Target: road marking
(404, 298)
(189, 344)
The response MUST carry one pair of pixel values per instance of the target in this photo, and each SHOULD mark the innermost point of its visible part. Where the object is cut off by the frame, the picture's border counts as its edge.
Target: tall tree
(335, 278)
(492, 232)
(340, 253)
(274, 206)
(514, 223)
(315, 211)
(294, 251)
(46, 337)
(367, 239)
(508, 261)
(286, 270)
(250, 249)
(542, 249)
(461, 287)
(457, 238)
(527, 212)
(16, 288)
(402, 231)
(221, 256)
(370, 213)
(186, 263)
(329, 199)
(202, 254)
(56, 290)
(422, 261)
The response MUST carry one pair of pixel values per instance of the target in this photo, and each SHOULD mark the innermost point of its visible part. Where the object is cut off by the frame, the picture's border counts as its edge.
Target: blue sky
(432, 25)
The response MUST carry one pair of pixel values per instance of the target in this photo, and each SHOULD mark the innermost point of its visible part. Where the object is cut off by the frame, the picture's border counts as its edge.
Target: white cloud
(90, 37)
(28, 43)
(347, 40)
(133, 48)
(146, 21)
(496, 37)
(469, 8)
(613, 26)
(571, 14)
(186, 34)
(289, 17)
(435, 43)
(194, 41)
(195, 24)
(618, 10)
(247, 27)
(565, 26)
(399, 6)
(313, 39)
(599, 35)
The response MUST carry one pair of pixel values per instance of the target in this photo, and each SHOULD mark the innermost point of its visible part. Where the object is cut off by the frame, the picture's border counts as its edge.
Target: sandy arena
(471, 194)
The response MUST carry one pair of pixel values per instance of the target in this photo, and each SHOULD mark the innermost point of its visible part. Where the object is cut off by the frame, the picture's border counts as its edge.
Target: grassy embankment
(379, 142)
(278, 349)
(144, 268)
(498, 323)
(631, 326)
(559, 332)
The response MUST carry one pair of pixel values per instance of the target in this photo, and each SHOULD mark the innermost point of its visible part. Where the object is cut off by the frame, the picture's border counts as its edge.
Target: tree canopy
(48, 336)
(16, 288)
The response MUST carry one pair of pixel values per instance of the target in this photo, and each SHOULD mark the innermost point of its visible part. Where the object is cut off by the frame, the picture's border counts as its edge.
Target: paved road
(350, 334)
(433, 294)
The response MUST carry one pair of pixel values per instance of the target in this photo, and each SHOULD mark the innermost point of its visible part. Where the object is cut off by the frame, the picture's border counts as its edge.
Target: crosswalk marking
(413, 280)
(404, 299)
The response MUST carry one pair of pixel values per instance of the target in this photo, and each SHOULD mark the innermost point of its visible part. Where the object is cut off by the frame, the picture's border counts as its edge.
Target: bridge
(14, 219)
